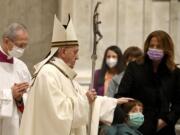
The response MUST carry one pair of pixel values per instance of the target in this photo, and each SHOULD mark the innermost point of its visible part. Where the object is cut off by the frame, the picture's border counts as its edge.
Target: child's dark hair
(121, 111)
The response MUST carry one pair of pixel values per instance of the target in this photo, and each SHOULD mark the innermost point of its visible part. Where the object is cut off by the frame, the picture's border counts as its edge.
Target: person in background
(112, 64)
(14, 78)
(131, 54)
(155, 81)
(127, 119)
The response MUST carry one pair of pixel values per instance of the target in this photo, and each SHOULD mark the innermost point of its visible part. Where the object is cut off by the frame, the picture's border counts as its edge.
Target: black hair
(119, 66)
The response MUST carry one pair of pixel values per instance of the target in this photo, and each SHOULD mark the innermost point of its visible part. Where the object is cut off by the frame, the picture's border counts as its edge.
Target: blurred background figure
(131, 54)
(112, 64)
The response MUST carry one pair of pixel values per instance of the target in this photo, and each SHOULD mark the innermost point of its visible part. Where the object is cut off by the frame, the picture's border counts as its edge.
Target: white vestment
(102, 110)
(57, 104)
(9, 114)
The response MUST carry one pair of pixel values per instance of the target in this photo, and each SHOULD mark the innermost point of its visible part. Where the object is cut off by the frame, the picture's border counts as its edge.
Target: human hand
(161, 124)
(123, 100)
(91, 95)
(18, 89)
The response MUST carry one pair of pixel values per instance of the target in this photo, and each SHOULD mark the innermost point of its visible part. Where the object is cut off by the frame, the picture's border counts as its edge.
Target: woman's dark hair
(119, 66)
(132, 51)
(121, 111)
(167, 45)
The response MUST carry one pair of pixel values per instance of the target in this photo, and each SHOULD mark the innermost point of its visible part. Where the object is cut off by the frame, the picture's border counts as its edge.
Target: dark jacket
(159, 92)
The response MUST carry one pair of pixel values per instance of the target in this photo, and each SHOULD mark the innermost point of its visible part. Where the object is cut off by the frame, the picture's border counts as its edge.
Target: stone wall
(124, 23)
(37, 15)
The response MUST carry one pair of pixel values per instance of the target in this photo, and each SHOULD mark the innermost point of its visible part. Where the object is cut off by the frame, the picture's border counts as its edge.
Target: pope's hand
(91, 95)
(123, 100)
(18, 89)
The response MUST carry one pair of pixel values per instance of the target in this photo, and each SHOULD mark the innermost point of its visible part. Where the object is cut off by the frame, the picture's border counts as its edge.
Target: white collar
(64, 67)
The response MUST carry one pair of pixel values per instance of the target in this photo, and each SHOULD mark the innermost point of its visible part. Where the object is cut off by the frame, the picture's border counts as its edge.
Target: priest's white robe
(57, 104)
(9, 114)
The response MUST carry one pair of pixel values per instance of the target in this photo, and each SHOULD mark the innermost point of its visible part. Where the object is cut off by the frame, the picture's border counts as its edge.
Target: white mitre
(61, 37)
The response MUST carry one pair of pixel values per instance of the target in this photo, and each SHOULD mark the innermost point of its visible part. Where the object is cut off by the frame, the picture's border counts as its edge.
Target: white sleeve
(102, 110)
(107, 108)
(6, 103)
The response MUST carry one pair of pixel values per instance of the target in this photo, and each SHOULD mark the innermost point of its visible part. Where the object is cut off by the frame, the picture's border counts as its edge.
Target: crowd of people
(135, 93)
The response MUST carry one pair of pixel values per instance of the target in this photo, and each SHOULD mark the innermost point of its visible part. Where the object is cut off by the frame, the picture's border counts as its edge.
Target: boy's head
(132, 106)
(130, 112)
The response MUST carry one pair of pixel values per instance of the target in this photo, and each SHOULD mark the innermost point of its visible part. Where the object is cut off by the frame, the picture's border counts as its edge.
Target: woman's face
(155, 50)
(111, 54)
(111, 59)
(154, 44)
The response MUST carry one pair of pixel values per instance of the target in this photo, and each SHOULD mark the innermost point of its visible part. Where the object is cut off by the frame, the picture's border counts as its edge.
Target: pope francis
(57, 105)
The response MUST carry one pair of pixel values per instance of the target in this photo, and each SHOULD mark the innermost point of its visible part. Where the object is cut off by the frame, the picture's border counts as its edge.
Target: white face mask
(16, 52)
(111, 62)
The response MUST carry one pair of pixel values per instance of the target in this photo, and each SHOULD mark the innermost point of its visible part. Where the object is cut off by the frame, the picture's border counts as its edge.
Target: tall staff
(97, 36)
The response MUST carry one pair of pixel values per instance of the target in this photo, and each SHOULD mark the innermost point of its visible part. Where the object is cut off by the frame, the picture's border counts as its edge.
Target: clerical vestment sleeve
(103, 110)
(107, 109)
(6, 103)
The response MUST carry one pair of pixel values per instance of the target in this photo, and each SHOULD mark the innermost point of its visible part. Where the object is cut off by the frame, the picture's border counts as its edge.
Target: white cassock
(57, 104)
(9, 114)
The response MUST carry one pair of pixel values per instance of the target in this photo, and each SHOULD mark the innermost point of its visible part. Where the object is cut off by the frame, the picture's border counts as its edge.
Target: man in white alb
(14, 78)
(57, 104)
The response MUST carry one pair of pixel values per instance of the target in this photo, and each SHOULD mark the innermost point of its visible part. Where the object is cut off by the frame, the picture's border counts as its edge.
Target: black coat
(159, 92)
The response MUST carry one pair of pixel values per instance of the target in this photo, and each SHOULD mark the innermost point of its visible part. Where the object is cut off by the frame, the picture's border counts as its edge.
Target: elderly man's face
(20, 41)
(71, 55)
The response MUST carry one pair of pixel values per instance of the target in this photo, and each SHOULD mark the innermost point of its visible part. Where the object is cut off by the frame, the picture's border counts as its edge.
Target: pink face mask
(155, 54)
